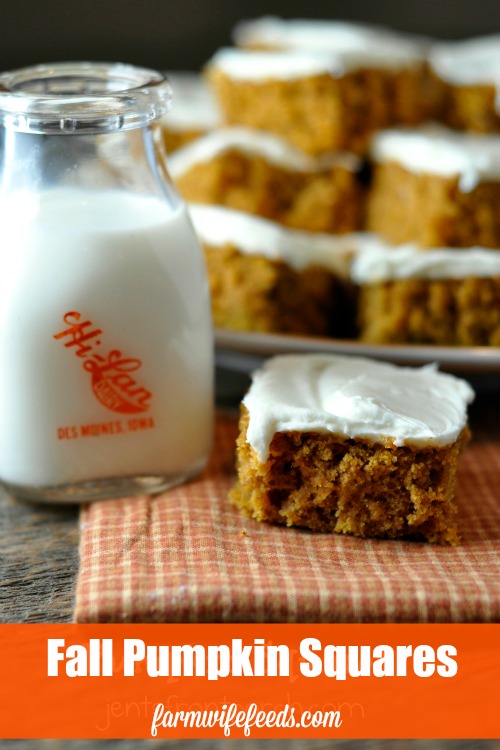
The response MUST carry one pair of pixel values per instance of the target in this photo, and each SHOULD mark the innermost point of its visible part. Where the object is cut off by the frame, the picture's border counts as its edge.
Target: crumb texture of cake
(264, 277)
(353, 446)
(442, 312)
(436, 188)
(442, 296)
(260, 173)
(252, 293)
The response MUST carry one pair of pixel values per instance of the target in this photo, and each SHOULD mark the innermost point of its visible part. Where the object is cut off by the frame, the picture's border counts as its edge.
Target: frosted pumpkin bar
(266, 277)
(353, 446)
(469, 74)
(379, 60)
(322, 97)
(250, 170)
(444, 296)
(435, 187)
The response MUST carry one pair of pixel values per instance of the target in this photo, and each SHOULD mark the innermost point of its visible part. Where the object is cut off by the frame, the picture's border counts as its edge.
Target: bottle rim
(82, 97)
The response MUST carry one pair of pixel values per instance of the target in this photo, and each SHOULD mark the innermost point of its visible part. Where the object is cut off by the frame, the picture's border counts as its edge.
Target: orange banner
(259, 681)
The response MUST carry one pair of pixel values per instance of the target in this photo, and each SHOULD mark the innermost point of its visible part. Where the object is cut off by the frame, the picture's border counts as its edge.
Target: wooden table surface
(38, 561)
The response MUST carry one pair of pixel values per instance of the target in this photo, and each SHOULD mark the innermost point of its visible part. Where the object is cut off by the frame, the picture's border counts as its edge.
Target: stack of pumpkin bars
(344, 181)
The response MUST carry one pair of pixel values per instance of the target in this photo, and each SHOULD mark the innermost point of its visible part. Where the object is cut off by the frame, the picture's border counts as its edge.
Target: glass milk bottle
(106, 376)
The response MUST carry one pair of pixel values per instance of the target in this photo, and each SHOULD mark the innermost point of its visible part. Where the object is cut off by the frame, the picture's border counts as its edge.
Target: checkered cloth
(189, 556)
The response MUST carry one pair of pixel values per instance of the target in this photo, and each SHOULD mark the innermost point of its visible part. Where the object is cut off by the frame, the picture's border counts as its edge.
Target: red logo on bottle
(111, 381)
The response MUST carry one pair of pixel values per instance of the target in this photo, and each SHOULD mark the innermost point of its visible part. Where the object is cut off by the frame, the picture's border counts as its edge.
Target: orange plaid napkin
(189, 556)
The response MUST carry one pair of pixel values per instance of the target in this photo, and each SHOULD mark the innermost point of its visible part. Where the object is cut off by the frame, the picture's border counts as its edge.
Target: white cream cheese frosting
(356, 45)
(473, 158)
(217, 226)
(356, 398)
(245, 65)
(472, 62)
(376, 261)
(193, 105)
(270, 147)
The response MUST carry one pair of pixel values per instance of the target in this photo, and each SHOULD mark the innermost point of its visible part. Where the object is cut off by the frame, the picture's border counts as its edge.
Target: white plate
(242, 351)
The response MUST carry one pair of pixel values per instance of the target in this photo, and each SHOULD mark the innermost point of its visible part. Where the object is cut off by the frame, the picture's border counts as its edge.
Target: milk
(105, 339)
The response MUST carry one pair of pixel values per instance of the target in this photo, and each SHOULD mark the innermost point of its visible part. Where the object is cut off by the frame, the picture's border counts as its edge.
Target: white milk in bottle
(105, 332)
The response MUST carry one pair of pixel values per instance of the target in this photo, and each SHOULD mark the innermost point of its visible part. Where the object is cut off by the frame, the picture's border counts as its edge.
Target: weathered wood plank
(38, 561)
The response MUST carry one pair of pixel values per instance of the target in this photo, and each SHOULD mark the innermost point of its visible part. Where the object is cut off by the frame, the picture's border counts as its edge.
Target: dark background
(183, 34)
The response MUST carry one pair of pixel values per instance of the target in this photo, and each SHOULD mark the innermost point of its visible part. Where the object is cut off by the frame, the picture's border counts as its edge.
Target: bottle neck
(128, 160)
